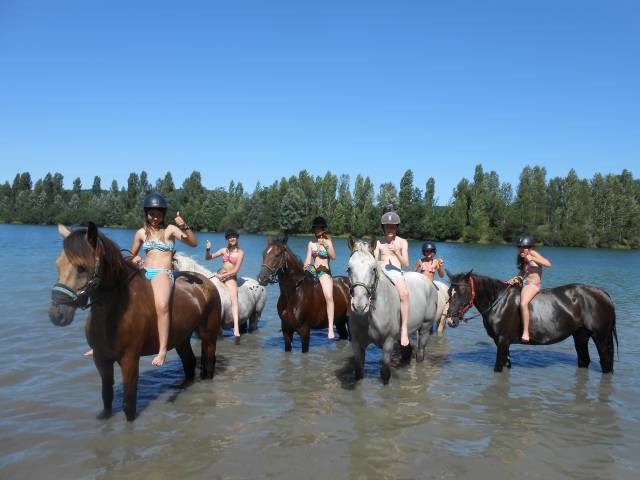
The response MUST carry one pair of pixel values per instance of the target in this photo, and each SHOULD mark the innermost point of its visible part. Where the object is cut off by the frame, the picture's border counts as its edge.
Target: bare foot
(330, 334)
(88, 353)
(525, 338)
(236, 332)
(158, 361)
(404, 337)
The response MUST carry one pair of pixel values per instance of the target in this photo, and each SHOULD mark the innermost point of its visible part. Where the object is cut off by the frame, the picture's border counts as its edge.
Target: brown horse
(301, 304)
(122, 325)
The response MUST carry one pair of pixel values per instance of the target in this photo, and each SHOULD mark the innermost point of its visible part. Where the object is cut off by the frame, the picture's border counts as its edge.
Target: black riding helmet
(154, 200)
(231, 232)
(428, 246)
(525, 241)
(319, 222)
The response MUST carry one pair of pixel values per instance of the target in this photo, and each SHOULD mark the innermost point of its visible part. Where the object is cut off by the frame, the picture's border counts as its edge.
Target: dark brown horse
(301, 304)
(122, 325)
(556, 313)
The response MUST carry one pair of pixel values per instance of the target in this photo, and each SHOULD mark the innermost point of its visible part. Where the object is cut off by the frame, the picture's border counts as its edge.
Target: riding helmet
(231, 232)
(525, 241)
(154, 200)
(428, 246)
(390, 218)
(319, 222)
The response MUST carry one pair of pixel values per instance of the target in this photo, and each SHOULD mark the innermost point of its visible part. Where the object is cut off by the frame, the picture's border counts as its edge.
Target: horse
(580, 310)
(443, 306)
(375, 308)
(301, 305)
(122, 324)
(252, 296)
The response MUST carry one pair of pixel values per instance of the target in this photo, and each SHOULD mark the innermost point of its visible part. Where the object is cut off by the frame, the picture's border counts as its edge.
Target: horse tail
(614, 331)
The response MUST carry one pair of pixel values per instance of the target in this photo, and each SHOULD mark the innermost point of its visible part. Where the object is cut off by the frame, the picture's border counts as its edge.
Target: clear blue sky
(259, 90)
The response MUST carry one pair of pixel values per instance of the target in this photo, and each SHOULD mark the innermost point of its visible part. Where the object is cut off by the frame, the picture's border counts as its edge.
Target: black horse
(579, 310)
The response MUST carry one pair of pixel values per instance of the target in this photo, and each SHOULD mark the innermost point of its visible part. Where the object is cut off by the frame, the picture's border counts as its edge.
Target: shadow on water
(154, 383)
(485, 354)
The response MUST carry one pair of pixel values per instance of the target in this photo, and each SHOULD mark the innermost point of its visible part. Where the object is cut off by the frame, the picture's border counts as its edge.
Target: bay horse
(301, 305)
(252, 296)
(556, 313)
(122, 324)
(375, 308)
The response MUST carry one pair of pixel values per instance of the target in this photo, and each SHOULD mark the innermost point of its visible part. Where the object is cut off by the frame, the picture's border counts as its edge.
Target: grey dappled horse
(375, 308)
(251, 295)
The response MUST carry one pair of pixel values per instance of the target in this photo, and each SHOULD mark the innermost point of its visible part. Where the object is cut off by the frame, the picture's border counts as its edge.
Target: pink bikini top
(228, 258)
(427, 268)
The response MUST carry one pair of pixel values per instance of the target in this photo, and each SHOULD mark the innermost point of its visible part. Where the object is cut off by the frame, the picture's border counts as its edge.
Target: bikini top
(427, 268)
(324, 253)
(156, 245)
(228, 258)
(533, 267)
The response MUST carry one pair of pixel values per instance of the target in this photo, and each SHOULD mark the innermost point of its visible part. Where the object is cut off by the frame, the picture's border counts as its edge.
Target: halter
(471, 302)
(273, 274)
(63, 295)
(370, 289)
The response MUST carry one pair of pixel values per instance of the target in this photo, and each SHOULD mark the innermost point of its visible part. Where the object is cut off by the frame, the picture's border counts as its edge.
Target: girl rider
(530, 265)
(157, 240)
(322, 252)
(232, 256)
(428, 265)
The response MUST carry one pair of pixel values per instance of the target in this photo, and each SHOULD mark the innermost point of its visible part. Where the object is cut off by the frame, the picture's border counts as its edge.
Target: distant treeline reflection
(601, 212)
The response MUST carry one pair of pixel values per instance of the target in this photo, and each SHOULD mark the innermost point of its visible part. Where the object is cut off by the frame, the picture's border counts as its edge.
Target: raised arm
(328, 244)
(539, 259)
(183, 232)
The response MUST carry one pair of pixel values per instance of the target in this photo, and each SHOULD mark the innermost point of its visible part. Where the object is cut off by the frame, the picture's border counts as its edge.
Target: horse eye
(81, 269)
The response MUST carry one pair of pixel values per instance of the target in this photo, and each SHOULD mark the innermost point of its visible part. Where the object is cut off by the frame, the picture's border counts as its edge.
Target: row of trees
(601, 212)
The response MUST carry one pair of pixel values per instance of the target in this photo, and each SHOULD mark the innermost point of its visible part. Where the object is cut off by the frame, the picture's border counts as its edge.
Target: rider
(322, 252)
(393, 255)
(232, 256)
(428, 265)
(157, 240)
(530, 265)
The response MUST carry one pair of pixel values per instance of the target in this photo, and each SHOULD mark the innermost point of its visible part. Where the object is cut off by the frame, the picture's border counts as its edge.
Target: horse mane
(80, 252)
(184, 262)
(281, 242)
(361, 246)
(491, 285)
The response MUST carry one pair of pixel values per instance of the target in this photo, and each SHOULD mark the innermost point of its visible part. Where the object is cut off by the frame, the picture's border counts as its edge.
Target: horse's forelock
(77, 248)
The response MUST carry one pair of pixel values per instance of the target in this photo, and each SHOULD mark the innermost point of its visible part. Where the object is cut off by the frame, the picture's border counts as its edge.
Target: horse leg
(185, 352)
(341, 327)
(605, 351)
(129, 365)
(387, 350)
(287, 333)
(502, 354)
(421, 344)
(358, 358)
(209, 341)
(305, 333)
(581, 342)
(253, 321)
(105, 368)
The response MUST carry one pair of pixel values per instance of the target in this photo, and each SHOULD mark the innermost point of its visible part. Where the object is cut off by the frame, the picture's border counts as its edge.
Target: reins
(471, 302)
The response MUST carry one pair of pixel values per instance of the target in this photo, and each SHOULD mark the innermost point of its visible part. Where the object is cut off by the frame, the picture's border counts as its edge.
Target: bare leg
(404, 311)
(232, 285)
(161, 285)
(326, 282)
(88, 353)
(527, 293)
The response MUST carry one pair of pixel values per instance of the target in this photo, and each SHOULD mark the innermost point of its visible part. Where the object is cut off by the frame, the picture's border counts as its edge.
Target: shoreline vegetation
(563, 211)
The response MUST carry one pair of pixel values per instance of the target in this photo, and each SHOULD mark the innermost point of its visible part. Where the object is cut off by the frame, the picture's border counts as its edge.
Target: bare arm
(183, 232)
(441, 267)
(216, 254)
(307, 259)
(328, 244)
(404, 254)
(417, 267)
(138, 239)
(539, 259)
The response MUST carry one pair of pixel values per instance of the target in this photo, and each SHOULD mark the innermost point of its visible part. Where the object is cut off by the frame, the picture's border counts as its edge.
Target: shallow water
(268, 414)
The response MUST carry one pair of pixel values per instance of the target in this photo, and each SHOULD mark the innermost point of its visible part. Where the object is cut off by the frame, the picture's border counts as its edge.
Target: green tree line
(601, 212)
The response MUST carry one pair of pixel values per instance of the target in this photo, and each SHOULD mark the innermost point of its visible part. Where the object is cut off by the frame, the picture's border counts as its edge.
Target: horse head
(363, 274)
(274, 260)
(78, 268)
(461, 296)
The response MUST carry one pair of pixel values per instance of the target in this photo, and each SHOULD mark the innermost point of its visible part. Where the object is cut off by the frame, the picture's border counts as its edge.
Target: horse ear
(63, 231)
(449, 274)
(372, 243)
(269, 241)
(468, 274)
(350, 243)
(285, 238)
(92, 234)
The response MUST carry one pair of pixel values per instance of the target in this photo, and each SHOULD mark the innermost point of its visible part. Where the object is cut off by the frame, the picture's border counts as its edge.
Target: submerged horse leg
(341, 327)
(129, 365)
(358, 358)
(185, 352)
(605, 350)
(581, 342)
(209, 338)
(387, 350)
(305, 333)
(502, 354)
(105, 368)
(287, 334)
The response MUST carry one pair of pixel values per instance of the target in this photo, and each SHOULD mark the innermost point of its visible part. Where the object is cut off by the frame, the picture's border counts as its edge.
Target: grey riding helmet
(525, 241)
(390, 218)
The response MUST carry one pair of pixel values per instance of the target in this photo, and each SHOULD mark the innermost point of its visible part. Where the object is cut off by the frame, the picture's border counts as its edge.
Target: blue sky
(259, 90)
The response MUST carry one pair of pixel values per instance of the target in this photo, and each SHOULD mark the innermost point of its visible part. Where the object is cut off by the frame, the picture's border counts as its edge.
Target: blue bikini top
(155, 245)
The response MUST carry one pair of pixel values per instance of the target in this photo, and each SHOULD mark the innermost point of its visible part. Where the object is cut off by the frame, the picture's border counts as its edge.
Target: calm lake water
(268, 414)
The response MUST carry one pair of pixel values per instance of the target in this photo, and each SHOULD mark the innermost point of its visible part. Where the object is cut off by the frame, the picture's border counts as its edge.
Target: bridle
(370, 289)
(471, 303)
(273, 274)
(63, 295)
